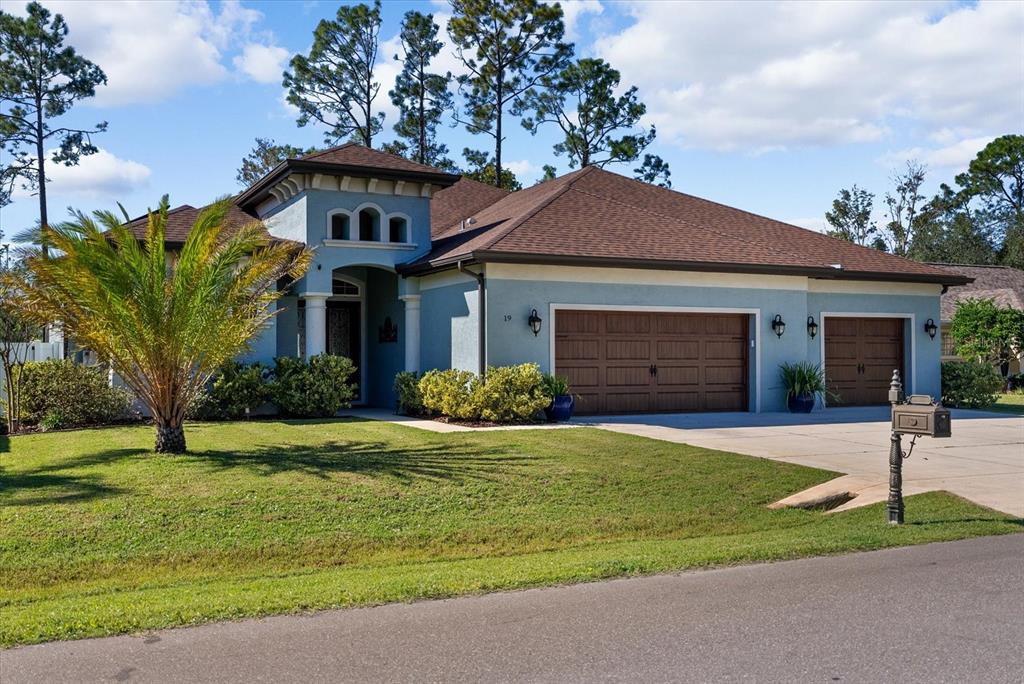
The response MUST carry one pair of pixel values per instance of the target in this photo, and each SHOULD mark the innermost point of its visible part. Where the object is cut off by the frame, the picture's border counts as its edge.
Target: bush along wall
(61, 394)
(970, 384)
(508, 394)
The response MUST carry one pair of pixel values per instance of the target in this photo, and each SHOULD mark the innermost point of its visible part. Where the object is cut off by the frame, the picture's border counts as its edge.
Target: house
(1002, 284)
(646, 298)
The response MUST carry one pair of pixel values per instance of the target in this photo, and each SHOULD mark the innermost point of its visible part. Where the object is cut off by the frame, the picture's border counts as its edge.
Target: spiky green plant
(165, 322)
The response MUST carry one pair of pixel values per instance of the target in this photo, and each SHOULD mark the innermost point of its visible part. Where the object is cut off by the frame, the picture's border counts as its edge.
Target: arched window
(342, 287)
(398, 229)
(340, 229)
(369, 225)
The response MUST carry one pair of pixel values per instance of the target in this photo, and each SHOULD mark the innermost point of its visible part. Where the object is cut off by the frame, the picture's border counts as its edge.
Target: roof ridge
(566, 185)
(342, 146)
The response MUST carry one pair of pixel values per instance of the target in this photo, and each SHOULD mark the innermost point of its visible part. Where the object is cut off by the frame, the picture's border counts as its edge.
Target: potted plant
(562, 401)
(804, 383)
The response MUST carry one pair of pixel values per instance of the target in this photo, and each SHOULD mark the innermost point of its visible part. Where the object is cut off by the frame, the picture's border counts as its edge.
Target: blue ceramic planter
(803, 403)
(561, 408)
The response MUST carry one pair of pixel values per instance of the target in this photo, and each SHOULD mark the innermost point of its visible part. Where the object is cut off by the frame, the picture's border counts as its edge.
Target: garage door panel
(724, 349)
(726, 325)
(627, 323)
(627, 349)
(678, 401)
(678, 350)
(622, 376)
(587, 402)
(627, 402)
(570, 322)
(581, 376)
(578, 349)
(677, 375)
(678, 324)
(724, 375)
(724, 401)
(860, 355)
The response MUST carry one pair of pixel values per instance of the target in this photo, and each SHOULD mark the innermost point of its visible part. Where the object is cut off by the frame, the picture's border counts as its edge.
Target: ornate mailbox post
(916, 416)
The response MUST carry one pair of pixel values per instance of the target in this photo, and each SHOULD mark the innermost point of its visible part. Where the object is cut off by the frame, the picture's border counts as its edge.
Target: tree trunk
(497, 129)
(170, 438)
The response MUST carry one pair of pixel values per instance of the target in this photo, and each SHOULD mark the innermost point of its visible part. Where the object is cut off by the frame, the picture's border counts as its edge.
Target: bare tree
(904, 206)
(16, 334)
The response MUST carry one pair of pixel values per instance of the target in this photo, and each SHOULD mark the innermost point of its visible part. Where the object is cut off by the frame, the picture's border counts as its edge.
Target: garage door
(860, 355)
(637, 362)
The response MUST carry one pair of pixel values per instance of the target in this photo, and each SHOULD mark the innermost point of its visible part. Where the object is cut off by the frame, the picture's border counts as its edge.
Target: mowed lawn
(98, 535)
(1011, 402)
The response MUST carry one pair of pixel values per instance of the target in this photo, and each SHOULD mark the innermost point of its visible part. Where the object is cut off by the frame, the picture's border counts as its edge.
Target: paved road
(943, 612)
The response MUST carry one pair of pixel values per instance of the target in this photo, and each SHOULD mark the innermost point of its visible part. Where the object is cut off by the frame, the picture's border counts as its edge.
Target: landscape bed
(101, 536)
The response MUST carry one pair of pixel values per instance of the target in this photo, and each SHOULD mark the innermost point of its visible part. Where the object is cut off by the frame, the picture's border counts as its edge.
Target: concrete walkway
(983, 461)
(438, 426)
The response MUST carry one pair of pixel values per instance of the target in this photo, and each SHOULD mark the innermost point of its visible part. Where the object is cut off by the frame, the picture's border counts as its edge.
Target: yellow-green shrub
(511, 394)
(449, 393)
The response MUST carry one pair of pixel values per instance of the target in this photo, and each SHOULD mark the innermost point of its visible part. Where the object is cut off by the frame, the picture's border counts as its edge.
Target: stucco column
(316, 324)
(412, 332)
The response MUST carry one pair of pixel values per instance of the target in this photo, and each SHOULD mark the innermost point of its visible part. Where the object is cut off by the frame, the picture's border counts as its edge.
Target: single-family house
(647, 299)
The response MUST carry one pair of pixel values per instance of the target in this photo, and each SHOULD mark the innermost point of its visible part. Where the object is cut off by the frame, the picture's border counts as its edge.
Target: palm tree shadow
(438, 462)
(48, 488)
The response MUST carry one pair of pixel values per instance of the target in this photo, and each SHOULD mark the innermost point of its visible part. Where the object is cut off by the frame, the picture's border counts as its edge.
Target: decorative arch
(369, 222)
(399, 227)
(344, 285)
(339, 224)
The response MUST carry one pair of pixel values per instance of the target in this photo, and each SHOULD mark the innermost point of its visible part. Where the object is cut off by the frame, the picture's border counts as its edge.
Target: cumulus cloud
(574, 10)
(150, 50)
(262, 63)
(954, 156)
(767, 76)
(101, 175)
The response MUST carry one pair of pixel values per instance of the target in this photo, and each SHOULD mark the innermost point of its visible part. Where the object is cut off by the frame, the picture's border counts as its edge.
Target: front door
(860, 356)
(343, 333)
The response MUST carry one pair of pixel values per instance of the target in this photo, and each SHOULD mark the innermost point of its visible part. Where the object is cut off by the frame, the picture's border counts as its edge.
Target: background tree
(985, 331)
(595, 124)
(904, 205)
(335, 85)
(995, 178)
(40, 80)
(422, 97)
(654, 170)
(550, 173)
(508, 48)
(483, 169)
(949, 231)
(263, 157)
(850, 216)
(17, 331)
(164, 325)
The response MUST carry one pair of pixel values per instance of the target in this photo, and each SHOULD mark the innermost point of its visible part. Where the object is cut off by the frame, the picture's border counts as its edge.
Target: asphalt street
(951, 612)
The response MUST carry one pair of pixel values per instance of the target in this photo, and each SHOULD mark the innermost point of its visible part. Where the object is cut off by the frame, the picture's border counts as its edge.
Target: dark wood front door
(638, 362)
(343, 333)
(860, 356)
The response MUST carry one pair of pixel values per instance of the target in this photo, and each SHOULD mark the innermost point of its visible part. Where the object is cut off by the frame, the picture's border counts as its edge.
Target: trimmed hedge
(508, 394)
(970, 384)
(235, 388)
(317, 389)
(61, 394)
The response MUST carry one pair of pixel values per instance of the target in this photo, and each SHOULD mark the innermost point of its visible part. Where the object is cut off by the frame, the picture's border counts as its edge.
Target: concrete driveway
(983, 461)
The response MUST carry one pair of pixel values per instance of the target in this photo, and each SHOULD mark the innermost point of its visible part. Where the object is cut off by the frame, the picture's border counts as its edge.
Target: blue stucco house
(646, 298)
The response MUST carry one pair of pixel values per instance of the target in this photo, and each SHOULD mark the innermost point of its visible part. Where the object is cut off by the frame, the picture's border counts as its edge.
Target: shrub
(511, 394)
(970, 384)
(317, 389)
(556, 386)
(61, 394)
(407, 389)
(235, 388)
(450, 393)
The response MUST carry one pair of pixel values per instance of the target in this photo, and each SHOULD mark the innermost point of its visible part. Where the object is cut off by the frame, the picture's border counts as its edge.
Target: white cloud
(573, 11)
(765, 76)
(522, 168)
(150, 50)
(262, 63)
(955, 156)
(100, 175)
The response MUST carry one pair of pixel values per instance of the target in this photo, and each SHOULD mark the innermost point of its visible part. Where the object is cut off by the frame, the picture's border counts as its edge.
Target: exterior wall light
(812, 327)
(778, 325)
(534, 320)
(931, 328)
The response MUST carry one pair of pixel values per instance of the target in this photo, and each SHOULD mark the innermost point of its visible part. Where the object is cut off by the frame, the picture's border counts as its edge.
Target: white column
(316, 324)
(412, 332)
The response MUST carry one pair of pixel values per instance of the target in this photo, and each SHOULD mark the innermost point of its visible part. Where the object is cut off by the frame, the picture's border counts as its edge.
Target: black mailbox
(921, 416)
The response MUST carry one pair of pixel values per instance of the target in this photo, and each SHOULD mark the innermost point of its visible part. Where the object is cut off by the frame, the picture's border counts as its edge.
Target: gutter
(481, 288)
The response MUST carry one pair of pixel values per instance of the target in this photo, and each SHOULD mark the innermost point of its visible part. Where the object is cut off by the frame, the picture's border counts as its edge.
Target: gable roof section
(181, 219)
(1003, 284)
(595, 217)
(350, 159)
(451, 205)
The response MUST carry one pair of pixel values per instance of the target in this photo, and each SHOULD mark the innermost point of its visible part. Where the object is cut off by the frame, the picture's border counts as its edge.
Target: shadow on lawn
(441, 462)
(49, 488)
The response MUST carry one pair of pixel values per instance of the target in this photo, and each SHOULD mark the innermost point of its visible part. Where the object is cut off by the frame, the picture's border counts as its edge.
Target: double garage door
(638, 362)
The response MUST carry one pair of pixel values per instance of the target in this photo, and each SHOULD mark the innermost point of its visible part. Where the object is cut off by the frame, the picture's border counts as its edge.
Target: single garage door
(860, 356)
(638, 362)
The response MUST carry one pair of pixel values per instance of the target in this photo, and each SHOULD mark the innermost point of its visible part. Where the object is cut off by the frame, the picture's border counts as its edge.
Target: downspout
(482, 307)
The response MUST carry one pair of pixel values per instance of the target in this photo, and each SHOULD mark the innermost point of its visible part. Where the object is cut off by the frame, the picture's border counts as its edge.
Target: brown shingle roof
(460, 201)
(595, 215)
(1003, 284)
(354, 154)
(181, 219)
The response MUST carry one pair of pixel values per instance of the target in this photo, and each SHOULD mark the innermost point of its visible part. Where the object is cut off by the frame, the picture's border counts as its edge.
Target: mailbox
(921, 416)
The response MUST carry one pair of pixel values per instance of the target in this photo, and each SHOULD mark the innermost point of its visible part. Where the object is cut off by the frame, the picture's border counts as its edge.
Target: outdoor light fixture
(931, 328)
(778, 326)
(534, 320)
(812, 327)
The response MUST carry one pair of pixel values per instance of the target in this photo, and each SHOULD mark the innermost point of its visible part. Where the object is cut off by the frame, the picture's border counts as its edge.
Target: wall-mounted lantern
(931, 328)
(812, 327)
(534, 321)
(778, 325)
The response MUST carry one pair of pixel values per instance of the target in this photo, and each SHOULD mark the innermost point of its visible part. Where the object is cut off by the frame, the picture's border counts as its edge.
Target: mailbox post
(917, 416)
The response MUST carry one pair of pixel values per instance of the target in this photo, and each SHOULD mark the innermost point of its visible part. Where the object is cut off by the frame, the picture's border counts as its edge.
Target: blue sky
(769, 107)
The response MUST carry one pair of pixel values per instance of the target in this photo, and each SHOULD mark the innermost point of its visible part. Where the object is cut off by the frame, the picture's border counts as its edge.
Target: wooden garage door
(637, 362)
(860, 355)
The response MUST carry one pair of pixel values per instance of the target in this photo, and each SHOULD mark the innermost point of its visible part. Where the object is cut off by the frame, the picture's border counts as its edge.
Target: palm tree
(164, 322)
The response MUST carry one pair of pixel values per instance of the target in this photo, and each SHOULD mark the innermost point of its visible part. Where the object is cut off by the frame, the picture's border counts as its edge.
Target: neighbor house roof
(1003, 284)
(349, 159)
(595, 217)
(181, 219)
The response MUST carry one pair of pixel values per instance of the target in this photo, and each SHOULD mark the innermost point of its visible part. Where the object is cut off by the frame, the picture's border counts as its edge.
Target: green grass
(1012, 402)
(100, 536)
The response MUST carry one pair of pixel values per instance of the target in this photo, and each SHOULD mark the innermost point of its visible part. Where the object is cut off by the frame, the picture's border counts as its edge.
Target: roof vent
(838, 267)
(467, 222)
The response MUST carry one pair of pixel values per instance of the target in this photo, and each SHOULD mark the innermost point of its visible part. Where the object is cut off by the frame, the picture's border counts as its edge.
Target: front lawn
(1011, 402)
(99, 536)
